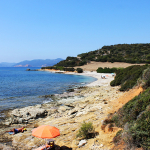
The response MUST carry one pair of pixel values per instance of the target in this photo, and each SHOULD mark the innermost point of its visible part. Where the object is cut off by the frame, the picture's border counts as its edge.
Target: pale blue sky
(50, 29)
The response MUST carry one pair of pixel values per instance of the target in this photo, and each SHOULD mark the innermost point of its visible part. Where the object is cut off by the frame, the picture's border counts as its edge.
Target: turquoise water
(20, 88)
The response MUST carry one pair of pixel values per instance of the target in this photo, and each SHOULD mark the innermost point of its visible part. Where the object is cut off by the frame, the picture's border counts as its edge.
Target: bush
(145, 77)
(106, 70)
(117, 137)
(141, 130)
(85, 130)
(79, 70)
(137, 114)
(128, 77)
(69, 69)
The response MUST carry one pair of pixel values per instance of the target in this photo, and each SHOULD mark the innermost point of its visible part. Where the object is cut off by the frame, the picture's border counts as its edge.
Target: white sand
(99, 81)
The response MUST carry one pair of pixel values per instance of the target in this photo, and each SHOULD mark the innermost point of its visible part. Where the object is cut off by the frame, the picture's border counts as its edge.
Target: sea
(20, 88)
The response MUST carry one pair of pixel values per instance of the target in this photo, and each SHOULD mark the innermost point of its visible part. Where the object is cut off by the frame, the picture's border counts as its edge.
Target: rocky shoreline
(30, 113)
(67, 112)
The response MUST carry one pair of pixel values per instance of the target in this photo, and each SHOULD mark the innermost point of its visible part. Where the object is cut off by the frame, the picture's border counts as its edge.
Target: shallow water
(21, 88)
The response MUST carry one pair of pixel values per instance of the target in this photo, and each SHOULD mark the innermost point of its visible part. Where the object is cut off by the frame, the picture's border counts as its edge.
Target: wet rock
(70, 90)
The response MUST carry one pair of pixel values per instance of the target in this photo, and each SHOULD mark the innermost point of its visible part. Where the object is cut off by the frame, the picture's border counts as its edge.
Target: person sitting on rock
(15, 131)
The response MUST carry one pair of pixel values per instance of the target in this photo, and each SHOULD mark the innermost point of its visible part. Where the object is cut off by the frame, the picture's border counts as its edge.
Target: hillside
(128, 53)
(38, 63)
(134, 116)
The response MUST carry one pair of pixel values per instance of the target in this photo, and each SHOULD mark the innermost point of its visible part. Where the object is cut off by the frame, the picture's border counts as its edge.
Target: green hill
(129, 53)
(134, 116)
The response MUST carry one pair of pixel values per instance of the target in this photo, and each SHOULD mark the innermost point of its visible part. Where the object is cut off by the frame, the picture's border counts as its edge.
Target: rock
(82, 142)
(71, 116)
(70, 90)
(7, 123)
(52, 111)
(83, 105)
(20, 120)
(74, 111)
(73, 144)
(80, 113)
(5, 147)
(63, 109)
(23, 115)
(27, 69)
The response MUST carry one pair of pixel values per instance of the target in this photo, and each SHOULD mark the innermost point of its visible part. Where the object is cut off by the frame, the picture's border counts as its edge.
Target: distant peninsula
(33, 63)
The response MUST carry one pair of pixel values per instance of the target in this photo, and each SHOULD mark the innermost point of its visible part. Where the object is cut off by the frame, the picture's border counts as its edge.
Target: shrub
(128, 77)
(106, 70)
(137, 114)
(140, 131)
(85, 130)
(117, 137)
(69, 69)
(145, 78)
(79, 70)
(53, 67)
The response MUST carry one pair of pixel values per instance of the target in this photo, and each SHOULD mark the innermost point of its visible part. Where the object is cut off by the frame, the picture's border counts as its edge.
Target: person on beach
(103, 77)
(15, 131)
(49, 146)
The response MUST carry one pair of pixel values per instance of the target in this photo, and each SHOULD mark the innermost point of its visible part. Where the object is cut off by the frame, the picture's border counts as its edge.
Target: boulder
(24, 115)
(82, 142)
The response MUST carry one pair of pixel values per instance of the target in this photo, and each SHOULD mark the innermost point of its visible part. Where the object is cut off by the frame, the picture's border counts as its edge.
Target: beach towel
(11, 133)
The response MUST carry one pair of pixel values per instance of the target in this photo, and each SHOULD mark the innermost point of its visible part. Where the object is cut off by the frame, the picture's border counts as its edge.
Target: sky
(50, 29)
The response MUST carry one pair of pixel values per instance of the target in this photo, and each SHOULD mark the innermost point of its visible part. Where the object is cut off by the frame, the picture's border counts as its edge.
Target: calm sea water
(20, 88)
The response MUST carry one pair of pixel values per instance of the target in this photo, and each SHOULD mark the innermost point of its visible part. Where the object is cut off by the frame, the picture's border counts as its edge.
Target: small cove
(21, 88)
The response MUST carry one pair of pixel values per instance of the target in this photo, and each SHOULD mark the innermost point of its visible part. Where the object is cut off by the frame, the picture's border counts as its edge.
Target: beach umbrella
(46, 132)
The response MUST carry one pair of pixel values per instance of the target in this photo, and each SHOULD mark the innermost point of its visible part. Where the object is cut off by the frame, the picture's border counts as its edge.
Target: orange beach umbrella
(46, 132)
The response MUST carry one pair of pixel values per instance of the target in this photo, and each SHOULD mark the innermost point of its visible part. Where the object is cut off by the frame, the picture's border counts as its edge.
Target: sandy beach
(92, 103)
(94, 74)
(98, 76)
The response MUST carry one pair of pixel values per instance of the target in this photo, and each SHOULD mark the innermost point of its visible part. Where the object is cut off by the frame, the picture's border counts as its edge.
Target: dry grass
(93, 66)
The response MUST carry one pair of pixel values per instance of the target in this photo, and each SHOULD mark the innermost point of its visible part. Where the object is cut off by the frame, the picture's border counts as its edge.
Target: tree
(79, 70)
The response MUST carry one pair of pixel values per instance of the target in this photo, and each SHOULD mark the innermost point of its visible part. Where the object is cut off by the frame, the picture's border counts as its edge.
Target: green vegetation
(128, 77)
(106, 70)
(71, 62)
(86, 130)
(79, 70)
(136, 115)
(59, 68)
(53, 67)
(129, 53)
